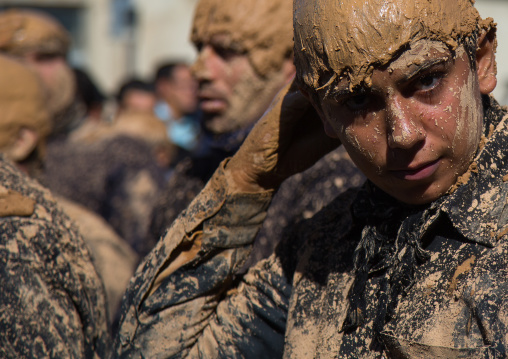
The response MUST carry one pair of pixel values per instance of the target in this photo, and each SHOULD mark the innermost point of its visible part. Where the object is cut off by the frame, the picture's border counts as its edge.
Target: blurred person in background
(89, 94)
(118, 178)
(52, 300)
(42, 43)
(135, 95)
(135, 118)
(176, 90)
(92, 100)
(245, 56)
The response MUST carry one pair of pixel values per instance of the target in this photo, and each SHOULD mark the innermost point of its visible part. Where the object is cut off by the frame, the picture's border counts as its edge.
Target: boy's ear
(486, 61)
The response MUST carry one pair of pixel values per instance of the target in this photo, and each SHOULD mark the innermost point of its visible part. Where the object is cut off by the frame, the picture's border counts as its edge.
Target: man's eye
(225, 53)
(198, 46)
(44, 57)
(358, 102)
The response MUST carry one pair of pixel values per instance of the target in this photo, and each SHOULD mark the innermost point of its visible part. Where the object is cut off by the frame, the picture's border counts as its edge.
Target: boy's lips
(418, 172)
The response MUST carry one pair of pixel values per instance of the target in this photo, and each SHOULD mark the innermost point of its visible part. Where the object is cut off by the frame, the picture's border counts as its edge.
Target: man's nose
(201, 67)
(405, 127)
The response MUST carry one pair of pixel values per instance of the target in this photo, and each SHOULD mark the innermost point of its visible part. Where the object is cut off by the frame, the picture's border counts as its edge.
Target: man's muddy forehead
(261, 28)
(241, 19)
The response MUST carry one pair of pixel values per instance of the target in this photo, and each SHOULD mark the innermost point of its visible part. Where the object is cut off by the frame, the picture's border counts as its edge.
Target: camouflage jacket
(52, 301)
(366, 277)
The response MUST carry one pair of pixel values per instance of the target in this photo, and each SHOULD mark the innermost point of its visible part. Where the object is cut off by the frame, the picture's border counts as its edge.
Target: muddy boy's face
(393, 81)
(418, 125)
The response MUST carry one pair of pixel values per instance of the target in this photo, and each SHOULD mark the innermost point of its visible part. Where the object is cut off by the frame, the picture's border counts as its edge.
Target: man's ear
(289, 70)
(486, 61)
(24, 144)
(327, 127)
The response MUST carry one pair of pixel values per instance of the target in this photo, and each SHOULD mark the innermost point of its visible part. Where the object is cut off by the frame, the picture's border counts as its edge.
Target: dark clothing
(303, 195)
(52, 301)
(116, 178)
(366, 277)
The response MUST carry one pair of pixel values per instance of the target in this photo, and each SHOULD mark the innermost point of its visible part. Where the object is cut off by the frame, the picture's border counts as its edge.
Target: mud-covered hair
(23, 31)
(347, 39)
(261, 29)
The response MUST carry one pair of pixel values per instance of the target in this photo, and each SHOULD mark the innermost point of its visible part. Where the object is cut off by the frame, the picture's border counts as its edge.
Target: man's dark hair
(133, 84)
(165, 71)
(87, 90)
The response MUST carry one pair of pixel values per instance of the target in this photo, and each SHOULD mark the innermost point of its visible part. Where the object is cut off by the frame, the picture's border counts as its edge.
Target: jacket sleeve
(185, 301)
(52, 302)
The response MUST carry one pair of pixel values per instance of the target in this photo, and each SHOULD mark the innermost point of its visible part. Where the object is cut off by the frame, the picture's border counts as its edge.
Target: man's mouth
(211, 103)
(418, 172)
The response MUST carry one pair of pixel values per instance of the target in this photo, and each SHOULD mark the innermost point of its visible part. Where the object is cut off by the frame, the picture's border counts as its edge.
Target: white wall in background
(498, 10)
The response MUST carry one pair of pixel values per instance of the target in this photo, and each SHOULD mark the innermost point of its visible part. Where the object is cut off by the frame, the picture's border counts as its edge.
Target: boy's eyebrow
(423, 67)
(345, 91)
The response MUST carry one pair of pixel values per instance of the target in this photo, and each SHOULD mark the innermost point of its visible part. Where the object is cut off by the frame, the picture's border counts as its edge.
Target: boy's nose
(405, 129)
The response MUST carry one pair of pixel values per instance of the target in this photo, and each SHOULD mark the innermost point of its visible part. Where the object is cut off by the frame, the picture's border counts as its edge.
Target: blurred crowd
(105, 158)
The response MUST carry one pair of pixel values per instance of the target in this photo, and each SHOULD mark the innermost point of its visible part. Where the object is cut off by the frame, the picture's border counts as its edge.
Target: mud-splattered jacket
(52, 302)
(366, 277)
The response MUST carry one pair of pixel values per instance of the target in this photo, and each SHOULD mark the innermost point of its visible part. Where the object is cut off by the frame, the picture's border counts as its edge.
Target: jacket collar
(477, 208)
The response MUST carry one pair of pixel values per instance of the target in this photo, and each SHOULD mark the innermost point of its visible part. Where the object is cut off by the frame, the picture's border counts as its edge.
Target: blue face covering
(162, 111)
(182, 132)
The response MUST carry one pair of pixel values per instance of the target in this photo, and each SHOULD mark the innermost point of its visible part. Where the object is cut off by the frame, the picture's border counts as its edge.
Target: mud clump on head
(41, 42)
(24, 31)
(262, 29)
(336, 40)
(23, 103)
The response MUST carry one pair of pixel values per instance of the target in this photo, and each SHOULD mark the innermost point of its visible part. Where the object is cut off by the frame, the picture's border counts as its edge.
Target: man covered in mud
(411, 265)
(52, 299)
(245, 56)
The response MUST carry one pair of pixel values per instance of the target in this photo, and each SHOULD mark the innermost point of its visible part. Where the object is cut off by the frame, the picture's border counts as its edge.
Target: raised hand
(288, 139)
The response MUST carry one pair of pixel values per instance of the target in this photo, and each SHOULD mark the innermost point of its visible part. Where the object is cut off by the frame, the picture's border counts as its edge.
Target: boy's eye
(358, 102)
(427, 82)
